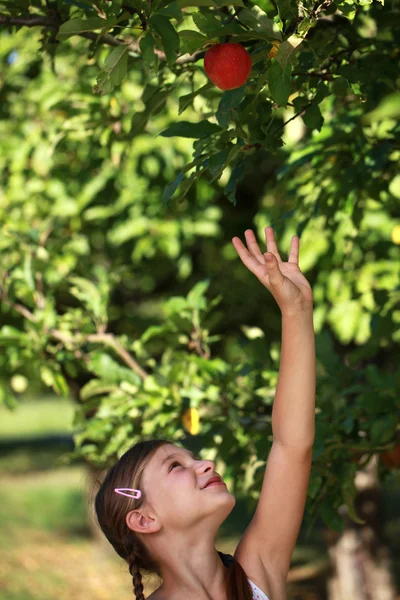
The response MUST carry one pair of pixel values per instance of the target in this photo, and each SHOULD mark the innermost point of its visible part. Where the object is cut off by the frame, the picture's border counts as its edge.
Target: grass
(51, 502)
(37, 417)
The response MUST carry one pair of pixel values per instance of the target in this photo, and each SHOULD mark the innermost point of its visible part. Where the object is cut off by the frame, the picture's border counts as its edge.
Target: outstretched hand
(284, 280)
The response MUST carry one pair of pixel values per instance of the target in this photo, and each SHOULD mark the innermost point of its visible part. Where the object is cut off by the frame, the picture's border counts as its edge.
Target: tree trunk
(360, 558)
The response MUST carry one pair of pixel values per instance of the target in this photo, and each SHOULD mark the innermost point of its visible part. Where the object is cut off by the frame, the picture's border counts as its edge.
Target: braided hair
(136, 575)
(111, 510)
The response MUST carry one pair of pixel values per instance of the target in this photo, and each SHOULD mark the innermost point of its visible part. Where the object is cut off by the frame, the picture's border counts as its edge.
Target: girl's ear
(141, 522)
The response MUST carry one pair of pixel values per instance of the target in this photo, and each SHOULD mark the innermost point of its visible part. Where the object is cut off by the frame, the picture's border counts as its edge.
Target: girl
(161, 507)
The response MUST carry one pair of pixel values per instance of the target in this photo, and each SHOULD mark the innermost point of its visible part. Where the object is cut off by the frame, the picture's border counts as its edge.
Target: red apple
(227, 65)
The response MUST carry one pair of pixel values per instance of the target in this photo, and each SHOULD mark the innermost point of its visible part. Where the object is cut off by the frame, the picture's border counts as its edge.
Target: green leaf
(217, 162)
(279, 83)
(304, 26)
(207, 23)
(340, 86)
(191, 130)
(89, 293)
(258, 21)
(170, 189)
(394, 186)
(169, 37)
(236, 29)
(299, 103)
(287, 51)
(185, 101)
(60, 385)
(96, 387)
(230, 187)
(191, 40)
(349, 498)
(216, 3)
(115, 68)
(196, 297)
(147, 44)
(155, 104)
(114, 57)
(47, 376)
(172, 11)
(383, 429)
(313, 118)
(12, 336)
(187, 184)
(345, 315)
(331, 517)
(348, 423)
(229, 105)
(287, 9)
(152, 331)
(220, 3)
(314, 485)
(349, 491)
(7, 399)
(78, 26)
(322, 91)
(109, 370)
(95, 184)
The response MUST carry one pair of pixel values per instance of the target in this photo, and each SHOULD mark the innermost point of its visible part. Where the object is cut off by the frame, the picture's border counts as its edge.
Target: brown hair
(111, 510)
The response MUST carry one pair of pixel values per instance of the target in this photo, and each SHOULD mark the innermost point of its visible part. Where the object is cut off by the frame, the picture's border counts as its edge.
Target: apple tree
(118, 282)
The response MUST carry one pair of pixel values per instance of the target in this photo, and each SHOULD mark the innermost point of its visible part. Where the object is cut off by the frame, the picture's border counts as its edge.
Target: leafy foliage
(116, 151)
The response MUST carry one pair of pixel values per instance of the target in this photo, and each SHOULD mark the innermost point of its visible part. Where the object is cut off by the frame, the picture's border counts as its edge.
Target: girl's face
(174, 480)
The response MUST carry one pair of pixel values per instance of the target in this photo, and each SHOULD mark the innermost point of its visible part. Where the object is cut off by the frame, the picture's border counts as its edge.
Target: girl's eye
(176, 463)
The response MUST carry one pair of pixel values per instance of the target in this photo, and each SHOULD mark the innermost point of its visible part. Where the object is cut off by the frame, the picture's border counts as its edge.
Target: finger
(294, 250)
(253, 246)
(246, 257)
(276, 278)
(271, 244)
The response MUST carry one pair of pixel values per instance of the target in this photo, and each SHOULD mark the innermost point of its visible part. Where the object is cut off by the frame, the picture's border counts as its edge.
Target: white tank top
(257, 593)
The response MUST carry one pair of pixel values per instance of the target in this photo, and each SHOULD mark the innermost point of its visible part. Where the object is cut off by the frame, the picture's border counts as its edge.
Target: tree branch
(135, 48)
(105, 39)
(96, 338)
(32, 21)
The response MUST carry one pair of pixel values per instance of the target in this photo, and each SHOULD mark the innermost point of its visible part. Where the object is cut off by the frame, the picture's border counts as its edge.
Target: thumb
(274, 273)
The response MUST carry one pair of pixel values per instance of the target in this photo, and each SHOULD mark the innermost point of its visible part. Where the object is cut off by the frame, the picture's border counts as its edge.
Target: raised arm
(273, 531)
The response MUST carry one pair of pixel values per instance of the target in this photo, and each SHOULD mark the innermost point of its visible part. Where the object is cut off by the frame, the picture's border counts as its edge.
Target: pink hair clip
(137, 493)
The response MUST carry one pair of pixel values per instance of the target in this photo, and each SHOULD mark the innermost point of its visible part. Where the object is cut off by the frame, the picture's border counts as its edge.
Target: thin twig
(291, 119)
(134, 46)
(327, 76)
